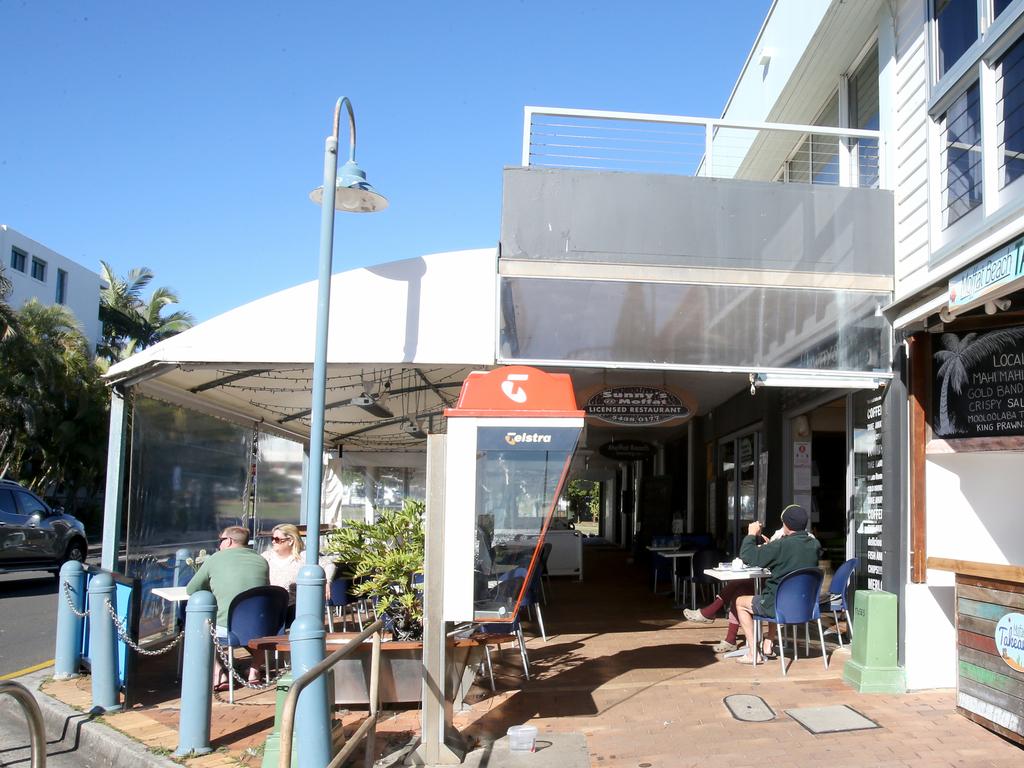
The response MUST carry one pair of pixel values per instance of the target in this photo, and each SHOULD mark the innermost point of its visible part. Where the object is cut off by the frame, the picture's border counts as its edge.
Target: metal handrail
(37, 732)
(368, 726)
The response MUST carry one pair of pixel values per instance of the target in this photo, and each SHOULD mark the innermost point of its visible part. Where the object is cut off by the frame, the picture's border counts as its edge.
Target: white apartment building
(38, 272)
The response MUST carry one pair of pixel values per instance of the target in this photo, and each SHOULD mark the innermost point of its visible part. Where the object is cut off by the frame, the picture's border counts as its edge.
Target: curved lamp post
(344, 191)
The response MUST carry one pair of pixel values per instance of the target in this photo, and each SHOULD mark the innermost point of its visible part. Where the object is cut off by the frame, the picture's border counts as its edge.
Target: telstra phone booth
(510, 440)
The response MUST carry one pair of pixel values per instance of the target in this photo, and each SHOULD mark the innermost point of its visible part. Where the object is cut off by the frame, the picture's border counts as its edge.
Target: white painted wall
(974, 506)
(785, 35)
(83, 286)
(930, 659)
(906, 123)
(972, 501)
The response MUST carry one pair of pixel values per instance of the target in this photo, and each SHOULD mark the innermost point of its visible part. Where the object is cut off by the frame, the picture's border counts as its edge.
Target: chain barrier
(71, 602)
(224, 653)
(123, 635)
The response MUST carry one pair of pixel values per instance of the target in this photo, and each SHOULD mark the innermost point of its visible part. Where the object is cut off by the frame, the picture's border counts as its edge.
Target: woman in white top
(285, 559)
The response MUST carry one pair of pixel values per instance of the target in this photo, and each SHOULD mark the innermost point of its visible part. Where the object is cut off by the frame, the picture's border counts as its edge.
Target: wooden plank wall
(988, 690)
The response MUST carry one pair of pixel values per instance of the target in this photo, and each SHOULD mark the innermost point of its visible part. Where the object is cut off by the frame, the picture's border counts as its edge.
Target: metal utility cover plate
(749, 708)
(834, 719)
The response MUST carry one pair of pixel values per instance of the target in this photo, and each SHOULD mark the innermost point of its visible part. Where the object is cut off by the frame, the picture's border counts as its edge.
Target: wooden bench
(401, 673)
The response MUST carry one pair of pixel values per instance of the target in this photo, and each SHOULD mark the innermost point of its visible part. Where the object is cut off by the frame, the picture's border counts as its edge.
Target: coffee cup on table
(737, 564)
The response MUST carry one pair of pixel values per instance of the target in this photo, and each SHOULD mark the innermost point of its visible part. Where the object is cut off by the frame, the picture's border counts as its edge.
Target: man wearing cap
(795, 549)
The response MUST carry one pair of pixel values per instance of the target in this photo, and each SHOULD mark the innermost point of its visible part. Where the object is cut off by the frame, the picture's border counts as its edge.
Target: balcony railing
(695, 146)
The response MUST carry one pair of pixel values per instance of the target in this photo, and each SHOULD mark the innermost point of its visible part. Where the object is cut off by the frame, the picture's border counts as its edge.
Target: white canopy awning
(402, 337)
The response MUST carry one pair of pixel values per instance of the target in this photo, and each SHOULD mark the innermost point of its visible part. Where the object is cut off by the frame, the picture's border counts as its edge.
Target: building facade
(38, 272)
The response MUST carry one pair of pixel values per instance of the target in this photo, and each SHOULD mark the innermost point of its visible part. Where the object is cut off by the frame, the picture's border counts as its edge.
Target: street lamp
(345, 191)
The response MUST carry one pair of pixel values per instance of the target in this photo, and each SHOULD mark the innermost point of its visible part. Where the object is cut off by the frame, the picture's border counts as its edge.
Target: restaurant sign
(636, 406)
(626, 450)
(1009, 637)
(979, 280)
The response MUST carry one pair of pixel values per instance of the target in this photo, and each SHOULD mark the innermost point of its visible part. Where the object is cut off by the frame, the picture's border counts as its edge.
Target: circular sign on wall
(1009, 637)
(636, 406)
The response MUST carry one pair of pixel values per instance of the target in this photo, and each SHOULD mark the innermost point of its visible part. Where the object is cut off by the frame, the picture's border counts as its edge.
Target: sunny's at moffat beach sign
(636, 406)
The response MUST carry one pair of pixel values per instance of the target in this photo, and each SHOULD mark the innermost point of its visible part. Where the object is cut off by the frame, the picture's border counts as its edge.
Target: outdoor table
(174, 595)
(736, 574)
(674, 554)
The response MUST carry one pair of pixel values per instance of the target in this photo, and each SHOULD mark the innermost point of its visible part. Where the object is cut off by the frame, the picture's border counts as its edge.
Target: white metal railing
(696, 146)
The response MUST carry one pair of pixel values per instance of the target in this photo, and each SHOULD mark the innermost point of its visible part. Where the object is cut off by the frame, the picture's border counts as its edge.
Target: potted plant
(384, 559)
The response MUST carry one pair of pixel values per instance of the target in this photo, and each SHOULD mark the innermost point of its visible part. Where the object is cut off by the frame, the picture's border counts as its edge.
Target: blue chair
(509, 585)
(796, 602)
(838, 589)
(256, 612)
(340, 601)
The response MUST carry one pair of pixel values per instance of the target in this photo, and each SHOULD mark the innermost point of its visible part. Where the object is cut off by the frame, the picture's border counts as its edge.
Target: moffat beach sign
(636, 406)
(1002, 267)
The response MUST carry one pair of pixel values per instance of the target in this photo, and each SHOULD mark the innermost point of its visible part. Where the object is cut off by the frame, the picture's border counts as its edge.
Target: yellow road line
(27, 670)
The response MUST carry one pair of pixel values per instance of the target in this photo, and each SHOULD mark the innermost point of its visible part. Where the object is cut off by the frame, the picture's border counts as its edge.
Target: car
(35, 536)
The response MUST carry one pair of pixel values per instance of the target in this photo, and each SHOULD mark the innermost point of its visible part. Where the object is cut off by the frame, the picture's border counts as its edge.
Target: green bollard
(872, 667)
(272, 747)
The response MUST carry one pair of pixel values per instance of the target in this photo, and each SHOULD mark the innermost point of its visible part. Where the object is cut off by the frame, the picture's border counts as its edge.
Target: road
(62, 749)
(28, 619)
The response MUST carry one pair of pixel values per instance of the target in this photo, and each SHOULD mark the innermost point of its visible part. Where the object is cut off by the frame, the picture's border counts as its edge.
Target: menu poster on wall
(978, 386)
(868, 487)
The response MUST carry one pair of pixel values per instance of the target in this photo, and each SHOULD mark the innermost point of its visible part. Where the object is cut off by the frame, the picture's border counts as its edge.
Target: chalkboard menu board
(978, 384)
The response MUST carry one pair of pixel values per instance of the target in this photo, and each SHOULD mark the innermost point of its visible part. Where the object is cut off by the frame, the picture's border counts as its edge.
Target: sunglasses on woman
(279, 539)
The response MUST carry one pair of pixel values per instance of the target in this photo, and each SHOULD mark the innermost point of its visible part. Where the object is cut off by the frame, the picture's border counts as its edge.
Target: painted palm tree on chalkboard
(958, 358)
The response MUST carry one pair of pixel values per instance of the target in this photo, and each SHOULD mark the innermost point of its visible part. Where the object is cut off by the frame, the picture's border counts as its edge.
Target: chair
(256, 612)
(836, 601)
(340, 601)
(545, 553)
(702, 560)
(508, 587)
(530, 595)
(796, 602)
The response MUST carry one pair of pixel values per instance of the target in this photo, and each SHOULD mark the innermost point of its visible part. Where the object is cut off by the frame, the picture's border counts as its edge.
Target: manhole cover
(834, 719)
(749, 708)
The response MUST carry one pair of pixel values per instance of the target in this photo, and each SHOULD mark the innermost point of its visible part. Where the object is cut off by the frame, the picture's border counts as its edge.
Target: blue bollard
(103, 645)
(67, 656)
(310, 598)
(197, 676)
(182, 570)
(312, 715)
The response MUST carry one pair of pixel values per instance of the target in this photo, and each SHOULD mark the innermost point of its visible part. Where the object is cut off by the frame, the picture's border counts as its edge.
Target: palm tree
(8, 316)
(52, 402)
(130, 323)
(957, 359)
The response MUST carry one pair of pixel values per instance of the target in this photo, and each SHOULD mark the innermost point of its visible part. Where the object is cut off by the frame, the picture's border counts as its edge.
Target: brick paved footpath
(622, 667)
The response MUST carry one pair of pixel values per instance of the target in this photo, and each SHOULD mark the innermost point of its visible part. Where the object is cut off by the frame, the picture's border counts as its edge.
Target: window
(816, 160)
(956, 24)
(1010, 113)
(18, 259)
(961, 156)
(39, 269)
(863, 93)
(29, 504)
(998, 6)
(62, 286)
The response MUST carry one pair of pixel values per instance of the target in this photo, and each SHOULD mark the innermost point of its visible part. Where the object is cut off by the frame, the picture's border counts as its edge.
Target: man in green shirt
(795, 549)
(228, 572)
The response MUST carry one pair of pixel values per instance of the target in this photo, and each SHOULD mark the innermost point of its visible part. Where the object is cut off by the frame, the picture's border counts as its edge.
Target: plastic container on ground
(522, 738)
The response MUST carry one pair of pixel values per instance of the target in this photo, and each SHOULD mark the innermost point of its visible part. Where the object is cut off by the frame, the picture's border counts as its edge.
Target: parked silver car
(35, 536)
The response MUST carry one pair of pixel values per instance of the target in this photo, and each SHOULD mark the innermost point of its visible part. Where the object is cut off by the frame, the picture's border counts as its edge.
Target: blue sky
(185, 136)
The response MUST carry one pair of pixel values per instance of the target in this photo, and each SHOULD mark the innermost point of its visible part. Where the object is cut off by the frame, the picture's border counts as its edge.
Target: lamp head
(352, 192)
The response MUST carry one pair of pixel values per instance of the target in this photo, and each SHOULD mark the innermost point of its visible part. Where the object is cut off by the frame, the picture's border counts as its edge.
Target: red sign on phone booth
(518, 390)
(511, 438)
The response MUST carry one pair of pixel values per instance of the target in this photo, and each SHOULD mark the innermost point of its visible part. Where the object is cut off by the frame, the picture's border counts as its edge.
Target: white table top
(172, 594)
(669, 548)
(723, 574)
(679, 553)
